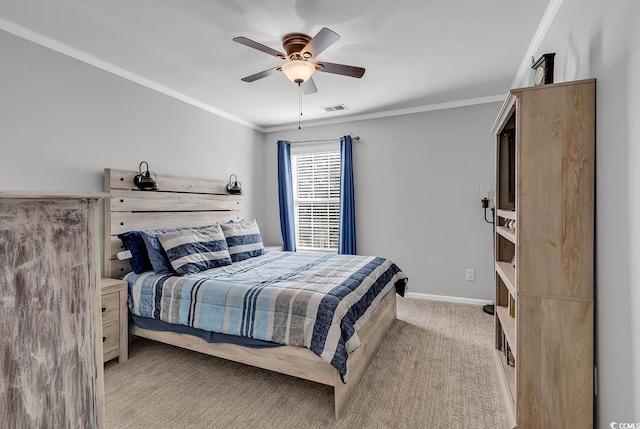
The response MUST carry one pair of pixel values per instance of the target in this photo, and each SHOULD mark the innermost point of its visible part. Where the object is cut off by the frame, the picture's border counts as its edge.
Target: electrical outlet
(471, 274)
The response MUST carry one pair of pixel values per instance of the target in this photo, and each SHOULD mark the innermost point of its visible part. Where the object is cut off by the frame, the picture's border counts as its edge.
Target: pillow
(194, 250)
(156, 254)
(243, 239)
(133, 242)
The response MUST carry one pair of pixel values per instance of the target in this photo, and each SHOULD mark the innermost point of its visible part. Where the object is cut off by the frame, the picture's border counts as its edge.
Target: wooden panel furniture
(180, 203)
(115, 320)
(545, 158)
(51, 357)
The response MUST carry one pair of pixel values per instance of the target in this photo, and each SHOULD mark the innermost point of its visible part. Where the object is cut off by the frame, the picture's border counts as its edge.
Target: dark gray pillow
(133, 242)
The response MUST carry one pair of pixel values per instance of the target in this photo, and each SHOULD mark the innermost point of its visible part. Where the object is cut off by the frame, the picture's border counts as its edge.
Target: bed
(227, 302)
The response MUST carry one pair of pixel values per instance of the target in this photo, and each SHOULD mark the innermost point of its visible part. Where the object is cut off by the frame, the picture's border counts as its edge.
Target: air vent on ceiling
(335, 108)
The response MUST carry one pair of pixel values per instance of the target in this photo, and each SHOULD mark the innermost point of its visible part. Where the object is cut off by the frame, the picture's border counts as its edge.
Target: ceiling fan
(300, 50)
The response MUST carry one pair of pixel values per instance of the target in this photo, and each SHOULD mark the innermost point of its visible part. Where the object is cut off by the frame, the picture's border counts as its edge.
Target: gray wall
(63, 121)
(417, 181)
(602, 39)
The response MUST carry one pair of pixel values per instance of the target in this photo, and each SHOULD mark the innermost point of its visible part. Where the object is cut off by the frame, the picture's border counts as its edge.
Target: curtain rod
(324, 140)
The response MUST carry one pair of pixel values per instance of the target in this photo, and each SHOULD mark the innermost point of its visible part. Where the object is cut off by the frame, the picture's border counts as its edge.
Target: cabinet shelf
(507, 273)
(508, 384)
(507, 233)
(508, 324)
(507, 214)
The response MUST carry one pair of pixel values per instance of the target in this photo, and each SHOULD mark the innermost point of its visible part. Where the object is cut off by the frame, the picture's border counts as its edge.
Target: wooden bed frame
(184, 201)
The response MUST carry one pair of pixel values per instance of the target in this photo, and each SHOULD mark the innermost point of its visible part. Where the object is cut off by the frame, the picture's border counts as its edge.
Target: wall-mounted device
(487, 201)
(234, 187)
(144, 181)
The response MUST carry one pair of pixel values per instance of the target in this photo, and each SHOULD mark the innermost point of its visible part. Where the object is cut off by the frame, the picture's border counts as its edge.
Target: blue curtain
(285, 193)
(347, 235)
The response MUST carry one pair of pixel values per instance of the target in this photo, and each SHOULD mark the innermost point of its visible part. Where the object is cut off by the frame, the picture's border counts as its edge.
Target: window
(316, 197)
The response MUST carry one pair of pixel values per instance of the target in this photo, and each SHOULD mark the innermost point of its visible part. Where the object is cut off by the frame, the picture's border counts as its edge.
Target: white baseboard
(445, 298)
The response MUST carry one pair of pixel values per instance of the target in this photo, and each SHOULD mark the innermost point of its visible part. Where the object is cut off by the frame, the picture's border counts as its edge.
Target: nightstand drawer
(110, 307)
(110, 338)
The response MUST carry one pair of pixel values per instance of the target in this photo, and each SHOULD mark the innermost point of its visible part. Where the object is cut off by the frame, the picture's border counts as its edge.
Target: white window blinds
(316, 198)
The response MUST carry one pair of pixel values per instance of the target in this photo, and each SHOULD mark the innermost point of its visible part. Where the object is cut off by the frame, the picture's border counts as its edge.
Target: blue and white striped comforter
(313, 300)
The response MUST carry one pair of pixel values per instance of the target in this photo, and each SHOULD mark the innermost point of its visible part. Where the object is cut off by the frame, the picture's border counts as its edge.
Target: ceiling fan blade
(320, 42)
(342, 69)
(260, 75)
(259, 46)
(309, 87)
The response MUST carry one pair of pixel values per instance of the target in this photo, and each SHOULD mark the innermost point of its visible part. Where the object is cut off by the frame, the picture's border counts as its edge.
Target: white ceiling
(416, 52)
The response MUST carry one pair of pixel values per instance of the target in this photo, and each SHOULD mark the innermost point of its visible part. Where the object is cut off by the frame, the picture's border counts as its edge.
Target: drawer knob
(104, 309)
(104, 339)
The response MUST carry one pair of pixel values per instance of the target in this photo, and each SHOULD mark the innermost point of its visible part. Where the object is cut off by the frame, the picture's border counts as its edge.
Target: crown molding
(47, 42)
(389, 113)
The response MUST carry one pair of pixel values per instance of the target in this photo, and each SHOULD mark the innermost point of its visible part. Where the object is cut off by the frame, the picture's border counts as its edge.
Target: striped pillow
(157, 256)
(243, 239)
(194, 250)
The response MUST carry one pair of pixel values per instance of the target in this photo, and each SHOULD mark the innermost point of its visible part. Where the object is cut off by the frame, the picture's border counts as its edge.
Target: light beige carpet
(434, 370)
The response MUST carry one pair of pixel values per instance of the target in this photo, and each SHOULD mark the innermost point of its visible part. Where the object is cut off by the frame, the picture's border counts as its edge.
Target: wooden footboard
(297, 361)
(371, 337)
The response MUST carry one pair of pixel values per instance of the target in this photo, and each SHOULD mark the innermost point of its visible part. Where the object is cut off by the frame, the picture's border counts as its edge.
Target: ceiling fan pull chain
(299, 104)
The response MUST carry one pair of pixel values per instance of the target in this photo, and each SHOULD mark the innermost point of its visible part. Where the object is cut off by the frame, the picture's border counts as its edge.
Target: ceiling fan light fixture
(298, 71)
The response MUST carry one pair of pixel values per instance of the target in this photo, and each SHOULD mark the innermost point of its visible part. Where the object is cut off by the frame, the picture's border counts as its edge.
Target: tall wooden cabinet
(544, 258)
(51, 372)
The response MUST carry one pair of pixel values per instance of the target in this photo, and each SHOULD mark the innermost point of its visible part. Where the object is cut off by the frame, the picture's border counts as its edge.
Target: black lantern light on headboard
(234, 187)
(144, 181)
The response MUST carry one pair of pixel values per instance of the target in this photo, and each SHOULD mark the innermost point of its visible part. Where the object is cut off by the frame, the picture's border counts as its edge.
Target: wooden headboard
(180, 202)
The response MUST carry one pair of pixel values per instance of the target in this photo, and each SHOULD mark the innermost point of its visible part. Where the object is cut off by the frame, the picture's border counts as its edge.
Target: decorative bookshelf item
(544, 69)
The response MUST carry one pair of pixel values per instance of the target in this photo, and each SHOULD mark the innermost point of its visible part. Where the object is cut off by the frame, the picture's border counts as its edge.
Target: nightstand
(115, 341)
